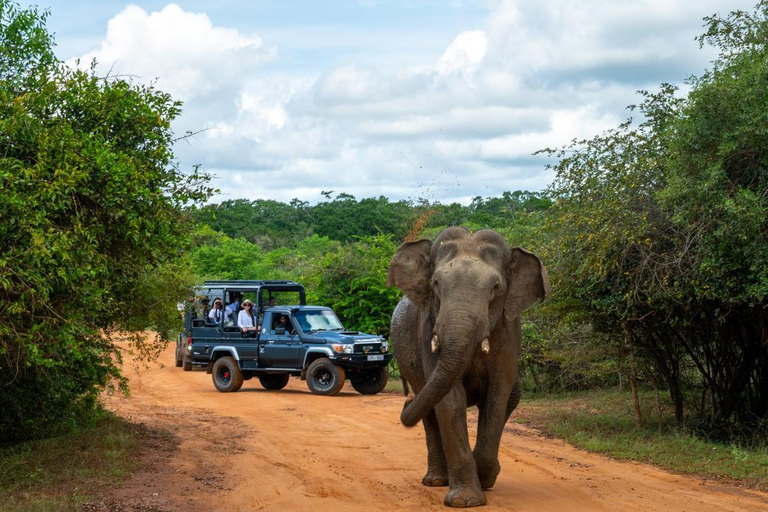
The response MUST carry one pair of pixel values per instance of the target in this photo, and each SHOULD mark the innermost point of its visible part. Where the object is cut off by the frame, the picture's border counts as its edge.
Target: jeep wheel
(324, 377)
(274, 380)
(186, 363)
(179, 360)
(227, 377)
(370, 383)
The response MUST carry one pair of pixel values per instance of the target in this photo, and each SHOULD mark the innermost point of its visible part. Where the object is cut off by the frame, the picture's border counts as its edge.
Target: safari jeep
(312, 344)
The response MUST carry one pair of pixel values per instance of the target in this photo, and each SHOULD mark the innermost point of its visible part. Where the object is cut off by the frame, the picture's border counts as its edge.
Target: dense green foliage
(272, 224)
(662, 233)
(91, 224)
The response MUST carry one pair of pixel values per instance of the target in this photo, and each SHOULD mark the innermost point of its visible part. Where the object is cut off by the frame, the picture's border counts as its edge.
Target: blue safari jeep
(308, 342)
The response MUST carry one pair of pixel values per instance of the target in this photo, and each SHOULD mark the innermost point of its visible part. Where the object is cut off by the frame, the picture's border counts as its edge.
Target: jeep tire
(227, 377)
(186, 363)
(274, 381)
(370, 382)
(179, 359)
(324, 377)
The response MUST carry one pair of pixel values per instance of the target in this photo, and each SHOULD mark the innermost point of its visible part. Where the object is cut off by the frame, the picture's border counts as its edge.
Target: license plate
(378, 357)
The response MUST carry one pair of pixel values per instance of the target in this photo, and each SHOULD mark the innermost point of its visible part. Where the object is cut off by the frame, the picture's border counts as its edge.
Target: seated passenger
(230, 312)
(217, 313)
(202, 306)
(285, 323)
(246, 320)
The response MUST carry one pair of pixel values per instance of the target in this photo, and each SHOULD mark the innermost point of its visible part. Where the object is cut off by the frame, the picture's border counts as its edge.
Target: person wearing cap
(246, 320)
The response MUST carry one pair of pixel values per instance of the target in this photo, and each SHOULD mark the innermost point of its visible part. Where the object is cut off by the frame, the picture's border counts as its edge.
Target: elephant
(456, 338)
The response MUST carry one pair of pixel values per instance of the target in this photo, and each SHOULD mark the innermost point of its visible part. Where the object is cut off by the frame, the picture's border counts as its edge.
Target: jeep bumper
(362, 361)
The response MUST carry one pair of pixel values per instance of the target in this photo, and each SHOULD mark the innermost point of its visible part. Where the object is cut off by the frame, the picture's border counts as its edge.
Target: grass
(603, 421)
(394, 385)
(63, 473)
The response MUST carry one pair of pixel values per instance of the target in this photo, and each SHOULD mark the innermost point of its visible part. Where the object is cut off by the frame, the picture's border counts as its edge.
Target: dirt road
(293, 451)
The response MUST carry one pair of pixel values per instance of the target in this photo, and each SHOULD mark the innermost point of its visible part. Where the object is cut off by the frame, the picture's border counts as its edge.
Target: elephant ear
(527, 280)
(410, 270)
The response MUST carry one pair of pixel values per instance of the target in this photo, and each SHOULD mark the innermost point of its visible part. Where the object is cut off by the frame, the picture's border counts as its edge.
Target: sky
(442, 100)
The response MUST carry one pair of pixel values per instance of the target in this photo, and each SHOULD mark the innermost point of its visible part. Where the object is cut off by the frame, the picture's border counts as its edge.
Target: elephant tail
(405, 386)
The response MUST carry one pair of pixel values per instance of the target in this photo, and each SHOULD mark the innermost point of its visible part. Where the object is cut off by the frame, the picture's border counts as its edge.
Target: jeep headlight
(346, 348)
(384, 346)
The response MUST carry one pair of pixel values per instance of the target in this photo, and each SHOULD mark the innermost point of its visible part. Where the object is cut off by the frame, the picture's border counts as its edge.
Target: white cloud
(463, 122)
(465, 53)
(187, 55)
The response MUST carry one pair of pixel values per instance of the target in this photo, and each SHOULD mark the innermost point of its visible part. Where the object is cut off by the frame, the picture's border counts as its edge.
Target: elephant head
(470, 290)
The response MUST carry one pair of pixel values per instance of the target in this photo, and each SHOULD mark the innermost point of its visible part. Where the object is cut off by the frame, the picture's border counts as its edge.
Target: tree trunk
(633, 378)
(655, 384)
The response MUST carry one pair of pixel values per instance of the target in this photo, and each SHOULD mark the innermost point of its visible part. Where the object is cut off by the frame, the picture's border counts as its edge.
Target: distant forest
(272, 224)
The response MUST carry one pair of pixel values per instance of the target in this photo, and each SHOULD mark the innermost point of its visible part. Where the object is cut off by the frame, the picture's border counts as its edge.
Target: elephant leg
(490, 426)
(514, 398)
(465, 490)
(437, 469)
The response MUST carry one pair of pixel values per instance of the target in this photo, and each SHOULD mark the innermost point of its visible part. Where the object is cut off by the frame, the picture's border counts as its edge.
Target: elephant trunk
(456, 353)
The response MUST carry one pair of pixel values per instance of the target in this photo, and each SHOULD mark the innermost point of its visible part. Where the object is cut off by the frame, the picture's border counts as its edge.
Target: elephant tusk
(435, 344)
(485, 346)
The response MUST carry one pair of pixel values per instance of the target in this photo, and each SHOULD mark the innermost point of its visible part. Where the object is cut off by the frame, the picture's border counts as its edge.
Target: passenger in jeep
(285, 323)
(246, 320)
(217, 313)
(232, 309)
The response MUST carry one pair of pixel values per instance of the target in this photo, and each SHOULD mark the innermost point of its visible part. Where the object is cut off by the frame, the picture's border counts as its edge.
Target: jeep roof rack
(250, 282)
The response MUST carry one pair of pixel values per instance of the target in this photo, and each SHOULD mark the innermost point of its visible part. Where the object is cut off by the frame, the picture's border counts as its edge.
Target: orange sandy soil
(293, 451)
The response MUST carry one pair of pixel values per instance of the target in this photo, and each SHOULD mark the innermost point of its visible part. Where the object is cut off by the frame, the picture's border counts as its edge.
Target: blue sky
(410, 99)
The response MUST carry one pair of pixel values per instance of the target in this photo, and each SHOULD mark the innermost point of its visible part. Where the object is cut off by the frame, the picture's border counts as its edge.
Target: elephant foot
(487, 475)
(435, 478)
(465, 497)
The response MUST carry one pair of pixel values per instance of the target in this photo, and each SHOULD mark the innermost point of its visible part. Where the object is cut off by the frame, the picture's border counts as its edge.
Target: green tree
(352, 281)
(91, 224)
(662, 233)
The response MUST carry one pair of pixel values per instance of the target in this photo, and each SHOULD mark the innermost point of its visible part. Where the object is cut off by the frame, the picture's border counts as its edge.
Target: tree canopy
(661, 231)
(92, 222)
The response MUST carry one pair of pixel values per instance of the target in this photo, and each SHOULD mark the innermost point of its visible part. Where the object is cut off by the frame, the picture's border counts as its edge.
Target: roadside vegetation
(602, 421)
(64, 473)
(654, 234)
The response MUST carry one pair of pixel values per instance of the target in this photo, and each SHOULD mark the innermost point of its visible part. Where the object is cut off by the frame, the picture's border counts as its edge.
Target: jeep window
(313, 321)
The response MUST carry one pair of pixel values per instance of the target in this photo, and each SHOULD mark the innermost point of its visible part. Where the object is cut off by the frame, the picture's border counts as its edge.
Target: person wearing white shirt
(217, 313)
(246, 320)
(231, 310)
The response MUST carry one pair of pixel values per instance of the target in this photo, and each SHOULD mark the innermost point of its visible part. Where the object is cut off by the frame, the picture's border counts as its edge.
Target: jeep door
(247, 347)
(280, 350)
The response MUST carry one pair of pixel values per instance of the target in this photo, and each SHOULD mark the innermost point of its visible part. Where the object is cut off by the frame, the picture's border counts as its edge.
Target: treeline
(272, 224)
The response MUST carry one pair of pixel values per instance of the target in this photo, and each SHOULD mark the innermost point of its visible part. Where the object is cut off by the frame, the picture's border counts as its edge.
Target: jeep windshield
(314, 321)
